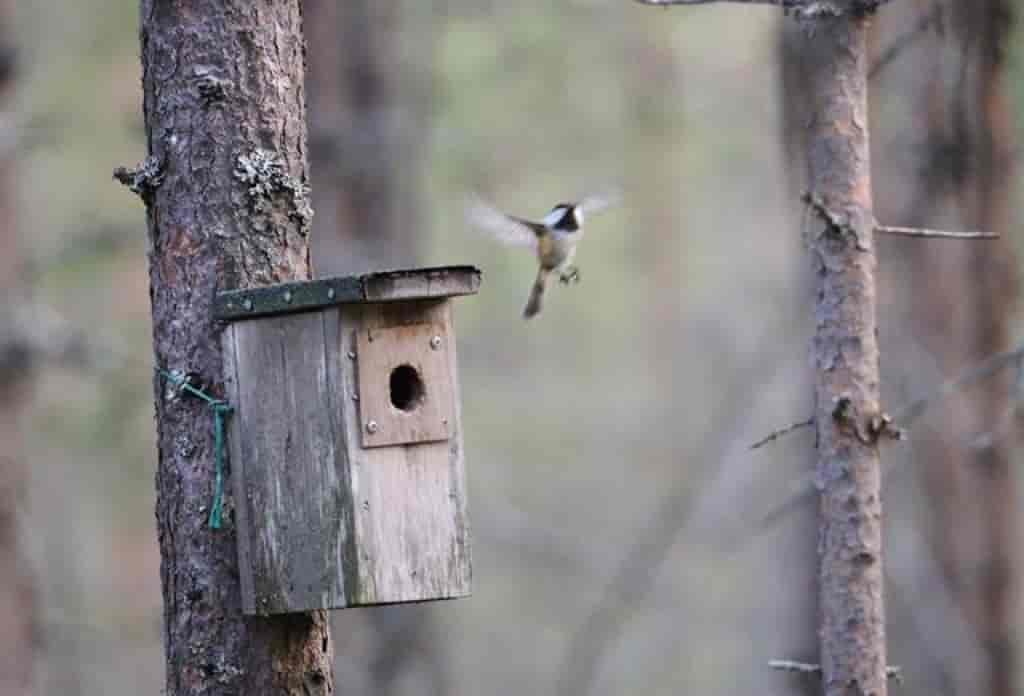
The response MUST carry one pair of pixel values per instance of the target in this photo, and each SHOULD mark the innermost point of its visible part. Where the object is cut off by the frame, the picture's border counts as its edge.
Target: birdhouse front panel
(346, 445)
(410, 499)
(394, 365)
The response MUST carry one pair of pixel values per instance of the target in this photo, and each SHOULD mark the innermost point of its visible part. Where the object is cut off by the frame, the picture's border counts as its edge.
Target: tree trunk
(18, 628)
(845, 355)
(967, 180)
(227, 207)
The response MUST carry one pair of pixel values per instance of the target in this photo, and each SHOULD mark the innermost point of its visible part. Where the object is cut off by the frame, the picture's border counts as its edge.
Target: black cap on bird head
(565, 216)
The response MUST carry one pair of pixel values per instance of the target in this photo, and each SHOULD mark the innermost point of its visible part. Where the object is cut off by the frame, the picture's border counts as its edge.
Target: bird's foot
(571, 275)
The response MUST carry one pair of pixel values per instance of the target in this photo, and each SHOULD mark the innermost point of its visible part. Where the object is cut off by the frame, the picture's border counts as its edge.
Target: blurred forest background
(623, 534)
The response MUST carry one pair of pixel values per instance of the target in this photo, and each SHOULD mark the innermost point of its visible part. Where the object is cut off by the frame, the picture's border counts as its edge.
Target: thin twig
(891, 672)
(782, 431)
(933, 234)
(839, 220)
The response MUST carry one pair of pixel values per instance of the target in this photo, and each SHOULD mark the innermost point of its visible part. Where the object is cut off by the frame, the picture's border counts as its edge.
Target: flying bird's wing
(599, 201)
(504, 228)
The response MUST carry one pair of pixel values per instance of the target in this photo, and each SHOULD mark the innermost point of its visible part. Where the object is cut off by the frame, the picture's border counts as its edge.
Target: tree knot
(867, 428)
(144, 179)
(846, 224)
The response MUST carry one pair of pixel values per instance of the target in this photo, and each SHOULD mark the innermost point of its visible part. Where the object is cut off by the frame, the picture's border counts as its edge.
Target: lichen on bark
(226, 208)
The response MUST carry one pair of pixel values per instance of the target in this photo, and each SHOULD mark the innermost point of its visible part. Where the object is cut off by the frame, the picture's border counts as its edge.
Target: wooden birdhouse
(346, 440)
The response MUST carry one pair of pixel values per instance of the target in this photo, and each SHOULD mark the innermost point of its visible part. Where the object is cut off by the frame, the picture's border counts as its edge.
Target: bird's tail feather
(536, 294)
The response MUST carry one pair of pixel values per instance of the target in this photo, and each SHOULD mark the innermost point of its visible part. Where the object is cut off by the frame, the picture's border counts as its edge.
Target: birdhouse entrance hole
(396, 367)
(346, 442)
(407, 391)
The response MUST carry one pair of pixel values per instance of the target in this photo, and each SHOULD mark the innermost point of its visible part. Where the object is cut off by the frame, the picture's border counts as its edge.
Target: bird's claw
(571, 275)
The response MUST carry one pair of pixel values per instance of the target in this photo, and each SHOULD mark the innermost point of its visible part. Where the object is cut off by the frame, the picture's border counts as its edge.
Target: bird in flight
(553, 238)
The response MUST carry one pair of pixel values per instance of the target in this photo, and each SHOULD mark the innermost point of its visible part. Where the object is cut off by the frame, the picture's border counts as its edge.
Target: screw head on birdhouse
(346, 440)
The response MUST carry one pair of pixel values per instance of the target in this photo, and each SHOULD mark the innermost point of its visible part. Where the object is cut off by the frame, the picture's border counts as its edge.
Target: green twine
(220, 410)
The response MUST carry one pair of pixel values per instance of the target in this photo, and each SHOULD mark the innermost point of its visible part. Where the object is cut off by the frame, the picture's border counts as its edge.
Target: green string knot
(221, 409)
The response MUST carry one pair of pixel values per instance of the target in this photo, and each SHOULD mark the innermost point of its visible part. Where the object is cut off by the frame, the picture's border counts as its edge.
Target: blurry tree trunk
(18, 627)
(966, 178)
(845, 355)
(795, 103)
(225, 188)
(369, 110)
(369, 82)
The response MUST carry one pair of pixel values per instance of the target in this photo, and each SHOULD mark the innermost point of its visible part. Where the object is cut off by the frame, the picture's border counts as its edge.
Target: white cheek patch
(578, 214)
(552, 218)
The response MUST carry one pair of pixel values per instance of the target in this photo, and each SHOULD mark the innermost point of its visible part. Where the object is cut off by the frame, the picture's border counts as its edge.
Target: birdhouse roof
(381, 286)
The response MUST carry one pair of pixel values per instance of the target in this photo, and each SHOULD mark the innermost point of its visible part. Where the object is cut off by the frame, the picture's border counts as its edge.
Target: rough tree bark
(966, 177)
(18, 628)
(227, 207)
(845, 354)
(847, 415)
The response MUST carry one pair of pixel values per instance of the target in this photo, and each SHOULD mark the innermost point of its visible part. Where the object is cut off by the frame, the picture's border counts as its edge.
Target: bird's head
(565, 216)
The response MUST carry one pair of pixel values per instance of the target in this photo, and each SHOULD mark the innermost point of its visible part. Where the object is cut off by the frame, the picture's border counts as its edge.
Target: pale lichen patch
(266, 177)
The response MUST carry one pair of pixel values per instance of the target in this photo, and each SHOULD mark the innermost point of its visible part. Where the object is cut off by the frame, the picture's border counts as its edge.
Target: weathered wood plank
(383, 286)
(410, 508)
(421, 283)
(344, 396)
(286, 446)
(322, 521)
(235, 469)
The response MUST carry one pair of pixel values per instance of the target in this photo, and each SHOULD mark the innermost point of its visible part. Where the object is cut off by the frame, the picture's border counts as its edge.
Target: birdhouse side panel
(289, 474)
(411, 525)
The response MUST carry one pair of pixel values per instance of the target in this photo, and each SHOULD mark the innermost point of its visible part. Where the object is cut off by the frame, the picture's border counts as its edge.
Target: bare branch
(782, 431)
(932, 234)
(891, 672)
(840, 221)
